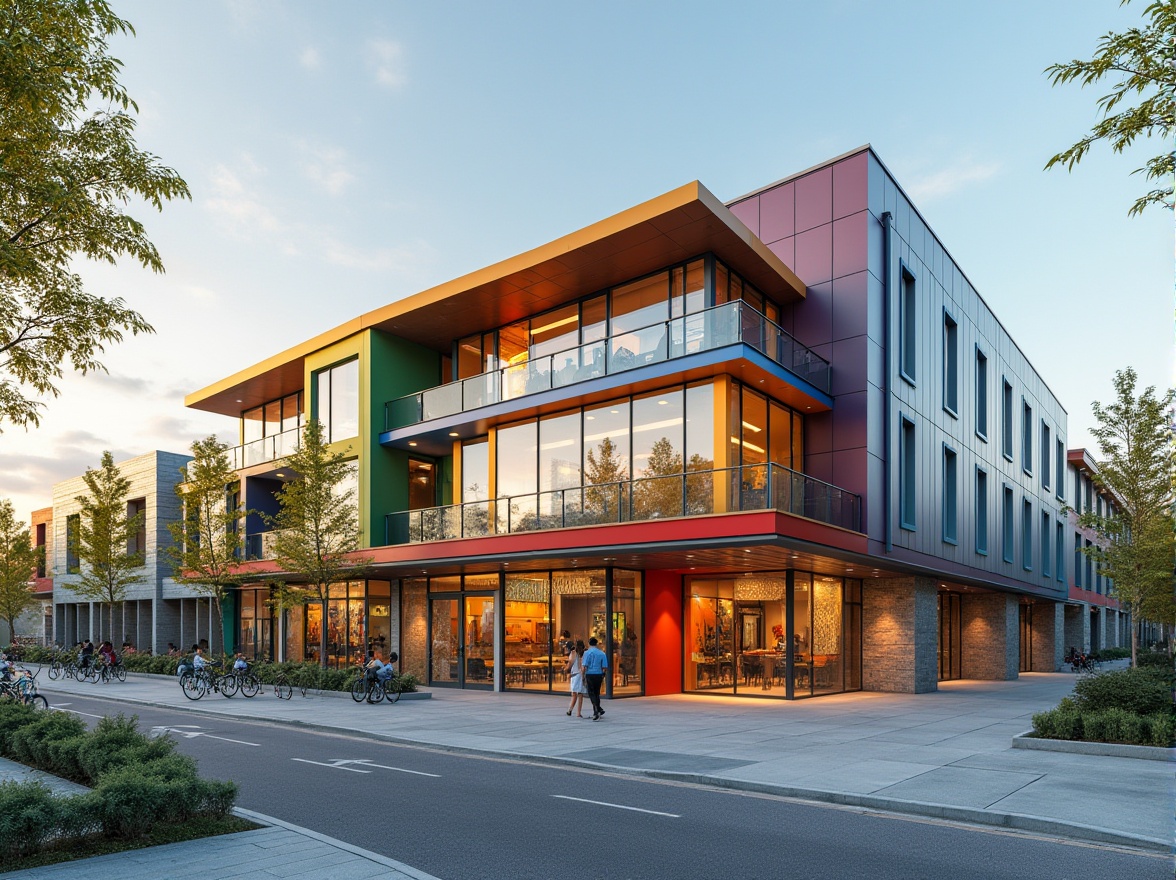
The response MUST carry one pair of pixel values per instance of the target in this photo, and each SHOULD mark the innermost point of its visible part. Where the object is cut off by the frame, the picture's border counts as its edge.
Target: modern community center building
(778, 447)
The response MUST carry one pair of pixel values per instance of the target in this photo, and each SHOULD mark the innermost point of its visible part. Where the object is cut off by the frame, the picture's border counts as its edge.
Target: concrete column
(1048, 635)
(166, 626)
(900, 635)
(1098, 627)
(989, 636)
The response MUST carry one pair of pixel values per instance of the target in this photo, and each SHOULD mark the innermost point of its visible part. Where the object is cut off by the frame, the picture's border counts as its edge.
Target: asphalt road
(463, 816)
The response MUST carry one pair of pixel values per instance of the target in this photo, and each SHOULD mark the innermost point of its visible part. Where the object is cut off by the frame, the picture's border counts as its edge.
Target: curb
(1026, 740)
(262, 819)
(947, 812)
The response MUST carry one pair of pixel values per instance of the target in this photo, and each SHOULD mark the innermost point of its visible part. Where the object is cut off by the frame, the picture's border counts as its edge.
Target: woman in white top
(575, 669)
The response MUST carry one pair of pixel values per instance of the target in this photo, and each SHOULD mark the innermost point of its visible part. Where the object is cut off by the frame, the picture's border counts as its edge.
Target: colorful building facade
(778, 447)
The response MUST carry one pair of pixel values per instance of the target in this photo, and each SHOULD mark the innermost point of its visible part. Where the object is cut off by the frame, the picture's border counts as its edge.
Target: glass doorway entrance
(461, 640)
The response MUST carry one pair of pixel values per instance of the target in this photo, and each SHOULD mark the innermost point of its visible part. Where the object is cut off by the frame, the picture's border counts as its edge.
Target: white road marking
(367, 763)
(335, 765)
(58, 708)
(616, 806)
(191, 731)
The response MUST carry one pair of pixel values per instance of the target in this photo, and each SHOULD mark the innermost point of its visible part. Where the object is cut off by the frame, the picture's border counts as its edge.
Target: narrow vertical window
(907, 474)
(1026, 436)
(73, 526)
(1027, 535)
(1046, 451)
(1077, 560)
(951, 364)
(1046, 555)
(981, 512)
(981, 395)
(1006, 428)
(1088, 578)
(1007, 528)
(1060, 552)
(950, 496)
(1060, 468)
(908, 341)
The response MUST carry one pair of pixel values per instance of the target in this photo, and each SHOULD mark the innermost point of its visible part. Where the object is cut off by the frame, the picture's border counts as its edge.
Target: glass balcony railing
(724, 490)
(720, 326)
(269, 448)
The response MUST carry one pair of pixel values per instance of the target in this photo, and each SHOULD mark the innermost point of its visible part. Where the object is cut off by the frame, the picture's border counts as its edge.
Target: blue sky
(343, 156)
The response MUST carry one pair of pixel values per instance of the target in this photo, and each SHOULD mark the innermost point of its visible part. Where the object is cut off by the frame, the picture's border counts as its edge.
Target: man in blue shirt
(595, 663)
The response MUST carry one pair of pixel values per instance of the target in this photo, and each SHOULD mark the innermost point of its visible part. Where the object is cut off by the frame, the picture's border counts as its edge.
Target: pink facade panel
(785, 249)
(850, 185)
(851, 306)
(777, 213)
(814, 199)
(748, 212)
(814, 320)
(851, 471)
(850, 244)
(850, 362)
(849, 424)
(814, 255)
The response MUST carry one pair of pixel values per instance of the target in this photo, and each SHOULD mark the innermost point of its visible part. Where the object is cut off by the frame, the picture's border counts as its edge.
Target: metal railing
(260, 545)
(716, 327)
(694, 493)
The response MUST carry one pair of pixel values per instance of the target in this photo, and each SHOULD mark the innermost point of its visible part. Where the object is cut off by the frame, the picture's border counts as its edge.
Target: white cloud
(387, 61)
(405, 261)
(931, 185)
(326, 168)
(310, 58)
(241, 211)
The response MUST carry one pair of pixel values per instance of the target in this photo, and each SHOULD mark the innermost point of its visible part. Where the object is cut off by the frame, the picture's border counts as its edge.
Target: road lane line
(195, 731)
(332, 766)
(226, 739)
(616, 806)
(398, 769)
(76, 712)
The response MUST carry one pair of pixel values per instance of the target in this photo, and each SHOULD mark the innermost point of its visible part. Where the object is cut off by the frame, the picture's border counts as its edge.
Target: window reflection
(337, 400)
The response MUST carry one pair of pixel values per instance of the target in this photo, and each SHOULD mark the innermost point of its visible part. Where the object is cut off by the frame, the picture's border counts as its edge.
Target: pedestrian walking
(575, 670)
(595, 662)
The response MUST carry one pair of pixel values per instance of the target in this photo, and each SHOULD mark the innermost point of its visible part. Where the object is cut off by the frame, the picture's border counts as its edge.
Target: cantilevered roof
(675, 226)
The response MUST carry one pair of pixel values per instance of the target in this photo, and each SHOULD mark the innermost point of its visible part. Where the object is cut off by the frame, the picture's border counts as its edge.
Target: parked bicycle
(283, 690)
(240, 681)
(196, 683)
(375, 689)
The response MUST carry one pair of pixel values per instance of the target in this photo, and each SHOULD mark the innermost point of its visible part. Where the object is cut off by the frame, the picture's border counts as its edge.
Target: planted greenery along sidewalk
(140, 787)
(310, 675)
(1129, 706)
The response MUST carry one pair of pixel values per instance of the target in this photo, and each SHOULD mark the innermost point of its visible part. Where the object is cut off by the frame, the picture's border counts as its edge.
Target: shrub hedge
(1131, 706)
(137, 781)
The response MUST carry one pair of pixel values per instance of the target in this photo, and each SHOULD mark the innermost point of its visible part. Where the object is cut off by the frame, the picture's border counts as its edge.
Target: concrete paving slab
(974, 788)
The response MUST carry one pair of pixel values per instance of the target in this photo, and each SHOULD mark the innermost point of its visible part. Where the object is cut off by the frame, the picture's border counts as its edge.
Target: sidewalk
(945, 755)
(277, 850)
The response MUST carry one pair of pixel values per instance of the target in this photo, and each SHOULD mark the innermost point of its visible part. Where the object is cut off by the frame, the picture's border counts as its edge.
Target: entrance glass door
(462, 633)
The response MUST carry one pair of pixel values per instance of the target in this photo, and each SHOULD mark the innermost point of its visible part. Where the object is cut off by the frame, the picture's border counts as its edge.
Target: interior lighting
(560, 323)
(454, 434)
(751, 427)
(412, 443)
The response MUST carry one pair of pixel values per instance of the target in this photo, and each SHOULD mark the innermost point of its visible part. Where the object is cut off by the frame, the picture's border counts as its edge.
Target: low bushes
(1107, 654)
(138, 782)
(1131, 706)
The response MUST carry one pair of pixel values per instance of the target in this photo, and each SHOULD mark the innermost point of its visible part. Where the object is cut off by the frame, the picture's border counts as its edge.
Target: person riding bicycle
(240, 664)
(106, 654)
(6, 668)
(198, 661)
(86, 654)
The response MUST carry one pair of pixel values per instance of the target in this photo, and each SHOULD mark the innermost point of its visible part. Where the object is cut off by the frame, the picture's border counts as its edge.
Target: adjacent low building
(156, 609)
(775, 447)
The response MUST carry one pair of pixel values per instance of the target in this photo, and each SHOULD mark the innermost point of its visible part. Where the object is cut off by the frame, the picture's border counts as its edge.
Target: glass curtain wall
(737, 635)
(256, 628)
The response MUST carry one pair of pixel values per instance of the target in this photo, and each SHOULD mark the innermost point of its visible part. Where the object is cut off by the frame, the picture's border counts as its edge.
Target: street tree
(18, 563)
(69, 166)
(317, 529)
(1135, 547)
(1141, 62)
(106, 545)
(207, 539)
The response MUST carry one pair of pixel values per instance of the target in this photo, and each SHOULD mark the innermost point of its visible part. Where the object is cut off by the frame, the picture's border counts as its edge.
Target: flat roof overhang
(670, 228)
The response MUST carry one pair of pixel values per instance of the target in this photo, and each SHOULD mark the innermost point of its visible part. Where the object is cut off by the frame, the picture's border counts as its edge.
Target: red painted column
(663, 633)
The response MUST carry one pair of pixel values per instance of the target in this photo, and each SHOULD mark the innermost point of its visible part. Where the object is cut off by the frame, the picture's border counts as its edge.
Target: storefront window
(379, 622)
(528, 645)
(627, 630)
(737, 635)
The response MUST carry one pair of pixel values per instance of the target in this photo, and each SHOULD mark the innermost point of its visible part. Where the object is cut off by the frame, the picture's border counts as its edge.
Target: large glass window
(475, 470)
(422, 484)
(737, 635)
(640, 303)
(337, 400)
(657, 454)
(517, 460)
(559, 465)
(606, 460)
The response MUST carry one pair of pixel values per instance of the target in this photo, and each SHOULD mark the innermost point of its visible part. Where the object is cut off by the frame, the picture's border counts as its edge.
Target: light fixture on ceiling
(279, 474)
(412, 443)
(454, 434)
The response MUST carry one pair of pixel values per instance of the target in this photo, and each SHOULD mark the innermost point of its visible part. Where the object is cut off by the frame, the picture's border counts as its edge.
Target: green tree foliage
(605, 468)
(317, 526)
(1137, 466)
(1142, 63)
(18, 563)
(69, 166)
(658, 492)
(207, 539)
(104, 537)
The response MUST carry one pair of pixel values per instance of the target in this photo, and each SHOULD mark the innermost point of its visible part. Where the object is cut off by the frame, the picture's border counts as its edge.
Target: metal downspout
(888, 517)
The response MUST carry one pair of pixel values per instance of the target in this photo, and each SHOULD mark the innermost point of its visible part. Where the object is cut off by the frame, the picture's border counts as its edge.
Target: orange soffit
(673, 227)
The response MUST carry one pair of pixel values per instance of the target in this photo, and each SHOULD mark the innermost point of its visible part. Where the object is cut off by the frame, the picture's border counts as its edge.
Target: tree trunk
(323, 635)
(220, 623)
(1134, 642)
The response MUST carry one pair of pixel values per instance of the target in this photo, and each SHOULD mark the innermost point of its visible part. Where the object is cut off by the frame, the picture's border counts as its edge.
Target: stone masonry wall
(899, 635)
(989, 638)
(414, 623)
(1048, 627)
